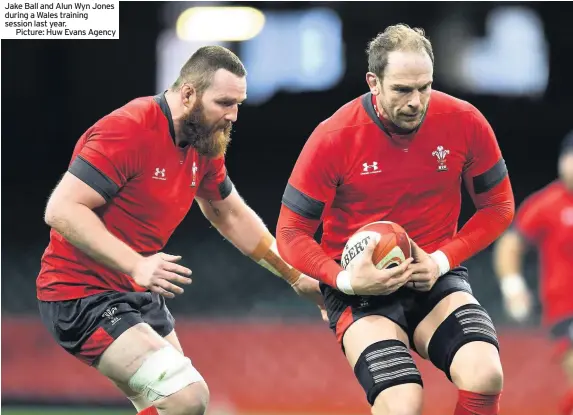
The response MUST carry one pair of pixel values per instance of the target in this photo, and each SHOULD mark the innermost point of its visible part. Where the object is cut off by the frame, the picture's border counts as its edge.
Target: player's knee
(477, 369)
(384, 365)
(191, 400)
(166, 377)
(465, 348)
(403, 399)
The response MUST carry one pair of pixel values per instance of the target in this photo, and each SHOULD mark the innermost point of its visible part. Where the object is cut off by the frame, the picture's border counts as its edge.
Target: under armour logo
(159, 174)
(373, 166)
(370, 168)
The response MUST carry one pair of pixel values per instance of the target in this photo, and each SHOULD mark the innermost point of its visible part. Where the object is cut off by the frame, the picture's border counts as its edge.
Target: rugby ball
(392, 249)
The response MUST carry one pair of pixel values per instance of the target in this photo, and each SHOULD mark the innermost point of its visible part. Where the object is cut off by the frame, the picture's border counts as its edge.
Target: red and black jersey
(353, 171)
(546, 220)
(130, 158)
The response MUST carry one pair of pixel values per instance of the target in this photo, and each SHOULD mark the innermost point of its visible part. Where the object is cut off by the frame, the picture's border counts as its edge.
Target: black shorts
(405, 307)
(563, 329)
(85, 327)
(562, 336)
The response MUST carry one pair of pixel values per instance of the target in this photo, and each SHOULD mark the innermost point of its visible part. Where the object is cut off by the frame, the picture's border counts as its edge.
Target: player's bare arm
(508, 254)
(70, 211)
(239, 224)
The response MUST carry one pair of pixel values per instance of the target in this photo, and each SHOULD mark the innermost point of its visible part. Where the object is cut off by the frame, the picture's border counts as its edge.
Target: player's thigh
(459, 338)
(378, 351)
(174, 341)
(86, 327)
(369, 329)
(125, 355)
(428, 326)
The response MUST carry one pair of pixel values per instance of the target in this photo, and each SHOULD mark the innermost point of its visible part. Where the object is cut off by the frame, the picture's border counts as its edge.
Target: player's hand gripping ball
(393, 247)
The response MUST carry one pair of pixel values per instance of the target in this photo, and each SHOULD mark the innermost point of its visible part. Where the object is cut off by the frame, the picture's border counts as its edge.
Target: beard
(405, 125)
(209, 140)
(399, 124)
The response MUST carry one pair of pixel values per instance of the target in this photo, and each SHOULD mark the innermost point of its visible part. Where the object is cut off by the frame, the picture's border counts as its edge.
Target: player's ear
(372, 81)
(188, 94)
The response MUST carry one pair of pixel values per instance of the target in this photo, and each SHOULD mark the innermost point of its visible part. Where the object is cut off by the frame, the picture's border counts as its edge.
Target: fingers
(416, 248)
(421, 278)
(371, 245)
(167, 286)
(179, 269)
(171, 276)
(418, 253)
(419, 286)
(162, 292)
(400, 269)
(402, 279)
(169, 257)
(419, 268)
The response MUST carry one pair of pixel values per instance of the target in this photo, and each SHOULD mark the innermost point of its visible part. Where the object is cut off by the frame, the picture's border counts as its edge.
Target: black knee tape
(469, 323)
(384, 364)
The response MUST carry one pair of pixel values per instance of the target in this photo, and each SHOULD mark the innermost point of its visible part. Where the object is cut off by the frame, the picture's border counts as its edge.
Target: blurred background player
(399, 153)
(132, 179)
(545, 221)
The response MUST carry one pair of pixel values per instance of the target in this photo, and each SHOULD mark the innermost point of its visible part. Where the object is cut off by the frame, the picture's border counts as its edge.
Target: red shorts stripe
(94, 346)
(345, 320)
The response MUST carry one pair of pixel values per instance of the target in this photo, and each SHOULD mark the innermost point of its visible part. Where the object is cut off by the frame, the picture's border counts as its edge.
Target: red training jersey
(130, 158)
(353, 171)
(546, 220)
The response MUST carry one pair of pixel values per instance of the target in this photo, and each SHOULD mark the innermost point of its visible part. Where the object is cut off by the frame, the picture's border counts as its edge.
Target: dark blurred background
(55, 89)
(508, 59)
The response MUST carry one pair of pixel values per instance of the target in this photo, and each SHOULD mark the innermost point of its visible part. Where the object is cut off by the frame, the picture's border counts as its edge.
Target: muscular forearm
(242, 227)
(83, 229)
(247, 232)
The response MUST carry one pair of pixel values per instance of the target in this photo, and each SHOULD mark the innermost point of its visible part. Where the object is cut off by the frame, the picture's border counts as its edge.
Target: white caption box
(60, 19)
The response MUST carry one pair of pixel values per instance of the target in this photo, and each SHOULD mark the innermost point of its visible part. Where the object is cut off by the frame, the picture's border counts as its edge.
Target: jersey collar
(162, 102)
(371, 111)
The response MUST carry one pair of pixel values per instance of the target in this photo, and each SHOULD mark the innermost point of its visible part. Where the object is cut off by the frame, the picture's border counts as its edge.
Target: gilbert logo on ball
(393, 247)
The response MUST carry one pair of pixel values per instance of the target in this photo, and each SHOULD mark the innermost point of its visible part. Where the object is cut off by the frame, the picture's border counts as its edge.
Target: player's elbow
(57, 211)
(509, 213)
(53, 212)
(285, 236)
(281, 245)
(503, 212)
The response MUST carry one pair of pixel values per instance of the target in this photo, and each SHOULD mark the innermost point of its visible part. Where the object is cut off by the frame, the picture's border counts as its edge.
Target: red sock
(149, 411)
(566, 406)
(471, 403)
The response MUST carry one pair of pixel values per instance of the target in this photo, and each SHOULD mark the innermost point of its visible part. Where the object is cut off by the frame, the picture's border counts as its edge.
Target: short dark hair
(398, 37)
(202, 65)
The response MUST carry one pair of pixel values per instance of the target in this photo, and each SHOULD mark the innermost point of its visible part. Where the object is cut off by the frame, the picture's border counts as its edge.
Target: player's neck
(567, 186)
